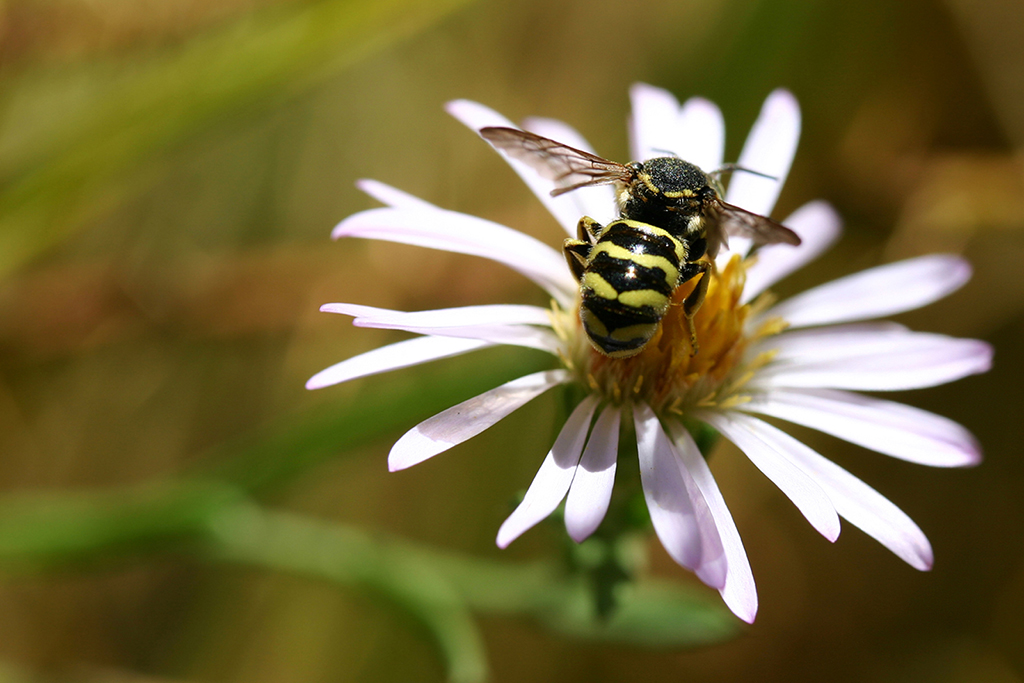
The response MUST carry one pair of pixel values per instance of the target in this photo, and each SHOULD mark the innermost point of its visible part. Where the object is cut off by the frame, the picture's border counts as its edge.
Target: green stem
(439, 587)
(288, 543)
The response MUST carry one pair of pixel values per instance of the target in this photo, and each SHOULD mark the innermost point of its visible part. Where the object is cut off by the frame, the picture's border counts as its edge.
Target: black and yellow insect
(671, 217)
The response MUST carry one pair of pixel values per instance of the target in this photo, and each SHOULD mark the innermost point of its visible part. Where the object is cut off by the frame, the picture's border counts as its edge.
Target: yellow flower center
(666, 374)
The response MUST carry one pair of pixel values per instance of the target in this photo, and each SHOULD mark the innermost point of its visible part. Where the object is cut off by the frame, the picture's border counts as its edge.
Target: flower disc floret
(668, 375)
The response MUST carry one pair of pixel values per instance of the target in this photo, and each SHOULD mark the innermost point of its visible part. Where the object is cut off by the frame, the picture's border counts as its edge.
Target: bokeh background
(169, 174)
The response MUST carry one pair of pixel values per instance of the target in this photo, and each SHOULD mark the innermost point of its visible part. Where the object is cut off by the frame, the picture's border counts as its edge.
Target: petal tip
(413, 448)
(828, 212)
(578, 533)
(972, 456)
(829, 527)
(367, 186)
(340, 230)
(472, 114)
(397, 461)
(322, 379)
(453, 106)
(961, 271)
(920, 556)
(961, 264)
(641, 88)
(505, 536)
(341, 309)
(984, 352)
(783, 95)
(956, 268)
(746, 613)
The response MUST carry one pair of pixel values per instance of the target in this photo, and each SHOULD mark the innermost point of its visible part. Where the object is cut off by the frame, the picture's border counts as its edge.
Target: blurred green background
(169, 174)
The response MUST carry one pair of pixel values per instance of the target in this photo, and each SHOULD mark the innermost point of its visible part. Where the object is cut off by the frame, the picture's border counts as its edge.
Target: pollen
(667, 374)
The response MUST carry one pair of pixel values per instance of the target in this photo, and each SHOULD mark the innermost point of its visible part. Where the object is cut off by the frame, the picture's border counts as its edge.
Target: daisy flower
(795, 360)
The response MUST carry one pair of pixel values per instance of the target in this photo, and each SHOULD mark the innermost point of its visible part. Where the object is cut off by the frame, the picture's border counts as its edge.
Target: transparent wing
(734, 221)
(569, 167)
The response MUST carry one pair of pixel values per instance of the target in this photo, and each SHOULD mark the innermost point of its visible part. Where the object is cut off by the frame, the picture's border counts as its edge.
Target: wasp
(672, 222)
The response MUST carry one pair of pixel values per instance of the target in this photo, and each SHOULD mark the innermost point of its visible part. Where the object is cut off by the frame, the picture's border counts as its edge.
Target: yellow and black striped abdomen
(627, 284)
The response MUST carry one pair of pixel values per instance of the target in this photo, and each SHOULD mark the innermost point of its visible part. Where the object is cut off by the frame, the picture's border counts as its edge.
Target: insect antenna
(731, 168)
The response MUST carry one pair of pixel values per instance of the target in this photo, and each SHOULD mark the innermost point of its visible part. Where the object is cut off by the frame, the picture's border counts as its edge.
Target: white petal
(837, 342)
(701, 134)
(769, 149)
(892, 428)
(464, 234)
(818, 226)
(393, 197)
(469, 418)
(739, 592)
(714, 563)
(386, 358)
(598, 202)
(877, 292)
(508, 335)
(660, 127)
(857, 502)
(499, 324)
(496, 314)
(557, 130)
(892, 362)
(654, 122)
(679, 513)
(554, 476)
(745, 432)
(477, 116)
(591, 490)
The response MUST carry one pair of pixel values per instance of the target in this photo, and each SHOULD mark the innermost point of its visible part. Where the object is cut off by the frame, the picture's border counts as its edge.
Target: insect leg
(693, 302)
(588, 230)
(577, 253)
